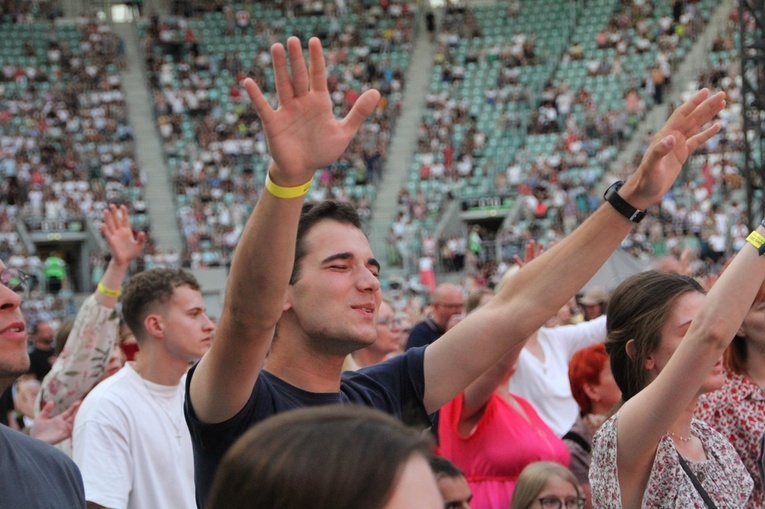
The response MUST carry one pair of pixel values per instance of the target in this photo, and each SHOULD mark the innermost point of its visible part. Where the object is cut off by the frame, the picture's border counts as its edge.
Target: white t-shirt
(132, 444)
(545, 384)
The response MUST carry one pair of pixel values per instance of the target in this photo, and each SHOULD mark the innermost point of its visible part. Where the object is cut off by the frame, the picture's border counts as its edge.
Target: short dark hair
(149, 288)
(326, 457)
(443, 467)
(314, 213)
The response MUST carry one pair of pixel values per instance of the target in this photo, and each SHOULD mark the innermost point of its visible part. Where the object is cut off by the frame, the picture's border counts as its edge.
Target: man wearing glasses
(34, 473)
(447, 302)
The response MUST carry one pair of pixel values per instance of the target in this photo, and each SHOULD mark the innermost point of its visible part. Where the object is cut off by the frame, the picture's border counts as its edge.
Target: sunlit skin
(14, 359)
(187, 330)
(673, 331)
(333, 304)
(416, 487)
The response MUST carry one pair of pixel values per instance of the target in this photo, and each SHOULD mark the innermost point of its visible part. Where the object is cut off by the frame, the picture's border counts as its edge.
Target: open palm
(124, 245)
(302, 133)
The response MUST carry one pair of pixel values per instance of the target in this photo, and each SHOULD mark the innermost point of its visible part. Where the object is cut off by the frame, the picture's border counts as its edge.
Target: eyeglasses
(459, 305)
(391, 323)
(557, 503)
(16, 281)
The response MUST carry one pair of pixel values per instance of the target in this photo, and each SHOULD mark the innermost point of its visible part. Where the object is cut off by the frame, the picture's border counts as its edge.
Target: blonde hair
(533, 479)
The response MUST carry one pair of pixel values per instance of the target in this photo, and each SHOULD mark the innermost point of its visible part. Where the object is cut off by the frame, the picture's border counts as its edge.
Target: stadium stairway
(158, 192)
(683, 75)
(403, 145)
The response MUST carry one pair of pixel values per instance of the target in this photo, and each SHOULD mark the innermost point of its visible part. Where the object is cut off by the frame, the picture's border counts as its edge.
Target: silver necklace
(176, 426)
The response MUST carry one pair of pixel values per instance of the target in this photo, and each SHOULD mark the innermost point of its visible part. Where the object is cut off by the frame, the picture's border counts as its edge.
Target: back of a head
(148, 289)
(329, 457)
(533, 479)
(637, 311)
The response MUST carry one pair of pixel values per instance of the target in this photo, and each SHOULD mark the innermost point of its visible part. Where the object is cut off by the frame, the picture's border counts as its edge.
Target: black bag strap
(579, 439)
(704, 495)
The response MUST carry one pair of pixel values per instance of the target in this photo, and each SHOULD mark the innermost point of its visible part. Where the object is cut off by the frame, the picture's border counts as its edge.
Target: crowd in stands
(214, 146)
(541, 379)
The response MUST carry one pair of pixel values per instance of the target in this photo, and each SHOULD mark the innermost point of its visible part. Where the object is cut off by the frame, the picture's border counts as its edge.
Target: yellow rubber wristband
(757, 240)
(287, 192)
(108, 292)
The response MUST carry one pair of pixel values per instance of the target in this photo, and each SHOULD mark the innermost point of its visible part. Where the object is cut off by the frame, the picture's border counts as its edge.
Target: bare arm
(302, 136)
(537, 292)
(90, 342)
(646, 417)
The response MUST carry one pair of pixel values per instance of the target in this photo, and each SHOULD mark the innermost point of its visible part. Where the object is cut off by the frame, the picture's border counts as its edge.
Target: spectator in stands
(302, 459)
(452, 484)
(55, 273)
(314, 279)
(548, 484)
(595, 390)
(129, 438)
(492, 434)
(91, 351)
(594, 302)
(447, 301)
(388, 340)
(34, 473)
(665, 341)
(43, 353)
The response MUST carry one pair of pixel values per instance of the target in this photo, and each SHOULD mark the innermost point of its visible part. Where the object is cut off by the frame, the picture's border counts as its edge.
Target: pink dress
(501, 445)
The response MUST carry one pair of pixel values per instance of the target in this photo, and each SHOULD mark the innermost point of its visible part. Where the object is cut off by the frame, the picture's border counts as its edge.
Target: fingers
(110, 218)
(706, 111)
(284, 90)
(258, 99)
(361, 109)
(297, 64)
(691, 104)
(698, 140)
(318, 72)
(47, 409)
(657, 151)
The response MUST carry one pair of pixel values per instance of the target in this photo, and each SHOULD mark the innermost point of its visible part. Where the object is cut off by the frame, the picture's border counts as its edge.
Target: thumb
(658, 151)
(362, 108)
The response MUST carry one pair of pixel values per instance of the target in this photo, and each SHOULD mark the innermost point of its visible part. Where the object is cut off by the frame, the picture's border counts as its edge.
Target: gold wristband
(108, 292)
(287, 192)
(758, 241)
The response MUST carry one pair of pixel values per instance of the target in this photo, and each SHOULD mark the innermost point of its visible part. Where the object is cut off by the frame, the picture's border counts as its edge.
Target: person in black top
(303, 290)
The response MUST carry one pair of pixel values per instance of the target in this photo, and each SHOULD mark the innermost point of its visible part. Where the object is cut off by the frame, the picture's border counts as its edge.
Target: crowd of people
(214, 145)
(152, 403)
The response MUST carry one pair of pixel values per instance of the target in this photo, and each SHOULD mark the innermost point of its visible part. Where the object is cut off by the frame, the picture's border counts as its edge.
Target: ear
(592, 393)
(741, 331)
(287, 304)
(154, 325)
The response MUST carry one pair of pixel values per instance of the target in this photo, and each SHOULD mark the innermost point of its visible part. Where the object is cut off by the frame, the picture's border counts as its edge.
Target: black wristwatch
(620, 204)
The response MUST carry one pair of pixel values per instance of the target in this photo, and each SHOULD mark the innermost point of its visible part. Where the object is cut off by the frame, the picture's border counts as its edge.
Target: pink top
(501, 445)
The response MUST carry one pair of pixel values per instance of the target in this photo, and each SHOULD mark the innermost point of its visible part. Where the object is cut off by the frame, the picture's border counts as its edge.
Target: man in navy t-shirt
(303, 290)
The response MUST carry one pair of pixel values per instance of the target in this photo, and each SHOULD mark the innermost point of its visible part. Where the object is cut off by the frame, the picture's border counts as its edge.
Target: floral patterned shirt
(722, 474)
(737, 411)
(82, 361)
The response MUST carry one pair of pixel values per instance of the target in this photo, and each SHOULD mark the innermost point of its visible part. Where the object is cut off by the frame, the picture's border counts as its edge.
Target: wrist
(287, 192)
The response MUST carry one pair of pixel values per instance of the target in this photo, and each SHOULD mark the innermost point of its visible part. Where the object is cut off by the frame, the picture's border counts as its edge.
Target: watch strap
(621, 205)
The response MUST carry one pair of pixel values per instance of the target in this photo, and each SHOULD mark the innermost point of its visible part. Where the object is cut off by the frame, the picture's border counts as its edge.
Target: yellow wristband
(287, 192)
(108, 292)
(757, 240)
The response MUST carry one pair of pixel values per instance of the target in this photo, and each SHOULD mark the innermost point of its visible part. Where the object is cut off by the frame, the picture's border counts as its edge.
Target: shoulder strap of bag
(579, 439)
(704, 495)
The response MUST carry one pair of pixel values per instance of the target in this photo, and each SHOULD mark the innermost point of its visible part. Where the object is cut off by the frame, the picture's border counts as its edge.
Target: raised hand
(671, 146)
(123, 244)
(302, 133)
(53, 430)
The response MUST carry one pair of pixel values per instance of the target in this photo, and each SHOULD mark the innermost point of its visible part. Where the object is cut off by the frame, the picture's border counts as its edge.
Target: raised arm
(648, 415)
(81, 363)
(537, 291)
(303, 135)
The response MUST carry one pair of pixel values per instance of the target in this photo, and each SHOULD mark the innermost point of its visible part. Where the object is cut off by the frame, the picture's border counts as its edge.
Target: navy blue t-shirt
(423, 333)
(396, 386)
